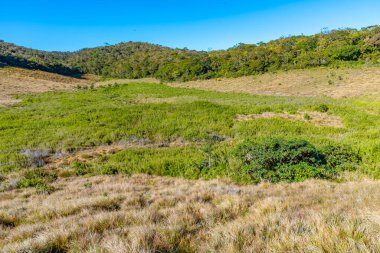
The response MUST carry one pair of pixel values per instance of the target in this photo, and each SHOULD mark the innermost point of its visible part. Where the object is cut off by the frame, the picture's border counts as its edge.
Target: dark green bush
(278, 160)
(341, 157)
(35, 177)
(322, 108)
(32, 182)
(81, 168)
(109, 170)
(38, 178)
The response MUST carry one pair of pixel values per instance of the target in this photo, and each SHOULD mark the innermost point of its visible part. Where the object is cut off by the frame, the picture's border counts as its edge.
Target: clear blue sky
(197, 24)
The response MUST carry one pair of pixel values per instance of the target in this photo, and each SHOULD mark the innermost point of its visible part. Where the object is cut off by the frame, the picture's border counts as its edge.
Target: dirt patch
(336, 83)
(56, 161)
(315, 118)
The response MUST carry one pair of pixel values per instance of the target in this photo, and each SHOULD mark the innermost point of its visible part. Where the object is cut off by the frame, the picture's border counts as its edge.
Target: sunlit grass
(69, 121)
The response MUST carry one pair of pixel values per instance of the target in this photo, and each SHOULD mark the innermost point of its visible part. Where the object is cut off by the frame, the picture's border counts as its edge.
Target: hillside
(137, 60)
(259, 148)
(314, 82)
(18, 81)
(337, 83)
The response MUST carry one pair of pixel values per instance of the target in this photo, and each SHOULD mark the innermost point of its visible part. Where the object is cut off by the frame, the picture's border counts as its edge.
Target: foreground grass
(158, 214)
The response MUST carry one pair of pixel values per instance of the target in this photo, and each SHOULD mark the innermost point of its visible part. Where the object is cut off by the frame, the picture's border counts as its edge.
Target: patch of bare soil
(63, 159)
(336, 83)
(315, 118)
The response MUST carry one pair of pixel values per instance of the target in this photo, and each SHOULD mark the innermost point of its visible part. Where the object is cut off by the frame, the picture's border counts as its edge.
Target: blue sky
(71, 25)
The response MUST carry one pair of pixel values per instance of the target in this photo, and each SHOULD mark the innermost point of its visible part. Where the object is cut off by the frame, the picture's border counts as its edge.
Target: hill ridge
(139, 59)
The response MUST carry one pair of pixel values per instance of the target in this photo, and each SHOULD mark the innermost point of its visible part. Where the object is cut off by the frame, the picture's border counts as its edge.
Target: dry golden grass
(315, 118)
(17, 81)
(158, 214)
(335, 83)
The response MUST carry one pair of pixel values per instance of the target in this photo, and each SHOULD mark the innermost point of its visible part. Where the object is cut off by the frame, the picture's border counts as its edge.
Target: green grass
(58, 121)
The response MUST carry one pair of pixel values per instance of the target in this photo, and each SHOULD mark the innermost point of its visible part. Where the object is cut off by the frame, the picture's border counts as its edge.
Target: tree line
(137, 60)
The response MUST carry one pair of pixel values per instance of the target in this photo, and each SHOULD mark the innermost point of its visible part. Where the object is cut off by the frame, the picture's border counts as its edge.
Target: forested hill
(137, 60)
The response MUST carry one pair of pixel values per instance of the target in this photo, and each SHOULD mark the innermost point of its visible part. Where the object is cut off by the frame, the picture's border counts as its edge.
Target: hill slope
(18, 81)
(336, 83)
(137, 60)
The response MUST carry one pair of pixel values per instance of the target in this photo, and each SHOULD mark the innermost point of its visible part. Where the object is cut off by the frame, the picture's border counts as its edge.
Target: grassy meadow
(200, 124)
(274, 173)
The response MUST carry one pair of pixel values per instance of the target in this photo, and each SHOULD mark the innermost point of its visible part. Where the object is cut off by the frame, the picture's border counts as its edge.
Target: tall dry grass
(158, 214)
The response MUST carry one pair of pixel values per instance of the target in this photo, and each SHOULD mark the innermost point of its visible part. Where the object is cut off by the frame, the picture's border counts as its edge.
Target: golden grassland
(336, 83)
(159, 214)
(18, 81)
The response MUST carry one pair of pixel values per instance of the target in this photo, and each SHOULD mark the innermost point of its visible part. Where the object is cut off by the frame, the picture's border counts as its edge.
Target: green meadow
(203, 122)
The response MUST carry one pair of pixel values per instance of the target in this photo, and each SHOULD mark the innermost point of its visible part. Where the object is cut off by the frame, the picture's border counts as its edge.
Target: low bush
(39, 179)
(81, 168)
(109, 170)
(341, 157)
(278, 160)
(34, 177)
(322, 108)
(44, 188)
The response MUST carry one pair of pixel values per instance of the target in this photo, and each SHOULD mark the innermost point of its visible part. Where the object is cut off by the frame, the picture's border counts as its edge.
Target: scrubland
(147, 167)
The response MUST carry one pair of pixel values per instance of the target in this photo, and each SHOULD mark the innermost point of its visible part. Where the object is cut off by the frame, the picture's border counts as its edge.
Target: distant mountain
(136, 60)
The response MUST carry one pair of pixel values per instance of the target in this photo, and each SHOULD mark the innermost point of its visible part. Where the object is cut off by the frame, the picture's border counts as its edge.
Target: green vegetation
(136, 60)
(278, 160)
(172, 135)
(39, 179)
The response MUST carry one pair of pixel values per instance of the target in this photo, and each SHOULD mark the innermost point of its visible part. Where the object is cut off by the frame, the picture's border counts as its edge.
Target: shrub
(109, 170)
(44, 189)
(322, 108)
(278, 160)
(39, 179)
(341, 157)
(307, 116)
(81, 168)
(35, 177)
